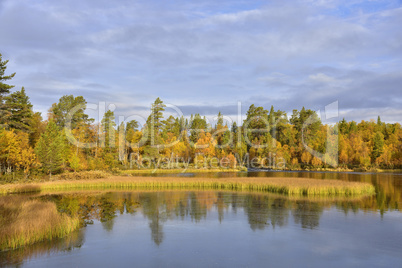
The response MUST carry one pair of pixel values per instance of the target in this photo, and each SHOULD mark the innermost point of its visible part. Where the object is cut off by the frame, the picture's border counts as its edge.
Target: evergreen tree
(108, 140)
(108, 129)
(182, 124)
(220, 131)
(280, 126)
(219, 121)
(154, 128)
(133, 124)
(197, 125)
(306, 121)
(171, 125)
(343, 127)
(50, 149)
(352, 127)
(155, 118)
(256, 123)
(4, 90)
(379, 123)
(20, 108)
(176, 130)
(155, 123)
(378, 145)
(271, 117)
(234, 128)
(381, 126)
(68, 103)
(38, 127)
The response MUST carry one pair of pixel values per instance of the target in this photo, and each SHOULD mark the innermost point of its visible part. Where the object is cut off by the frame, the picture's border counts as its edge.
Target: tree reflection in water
(262, 211)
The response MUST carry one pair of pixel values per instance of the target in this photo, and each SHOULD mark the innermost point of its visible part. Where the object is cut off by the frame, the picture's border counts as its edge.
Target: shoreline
(245, 169)
(140, 172)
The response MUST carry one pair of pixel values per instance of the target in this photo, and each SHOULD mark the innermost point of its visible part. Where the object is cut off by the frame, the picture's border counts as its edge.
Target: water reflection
(18, 256)
(388, 185)
(262, 212)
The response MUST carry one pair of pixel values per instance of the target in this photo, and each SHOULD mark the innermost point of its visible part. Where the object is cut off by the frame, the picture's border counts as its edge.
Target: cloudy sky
(207, 56)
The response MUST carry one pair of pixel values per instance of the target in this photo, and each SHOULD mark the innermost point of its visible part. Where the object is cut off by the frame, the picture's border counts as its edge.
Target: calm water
(225, 229)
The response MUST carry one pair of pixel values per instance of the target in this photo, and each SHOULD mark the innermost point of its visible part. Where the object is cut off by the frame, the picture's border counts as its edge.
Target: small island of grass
(284, 185)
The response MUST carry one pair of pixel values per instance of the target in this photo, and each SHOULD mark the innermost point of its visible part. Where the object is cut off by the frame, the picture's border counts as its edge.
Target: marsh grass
(19, 188)
(287, 186)
(178, 170)
(25, 221)
(16, 257)
(83, 175)
(100, 191)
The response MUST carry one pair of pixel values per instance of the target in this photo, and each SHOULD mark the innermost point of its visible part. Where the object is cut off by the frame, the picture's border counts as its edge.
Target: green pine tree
(378, 145)
(219, 123)
(50, 149)
(108, 129)
(133, 124)
(197, 123)
(67, 104)
(154, 126)
(20, 109)
(154, 121)
(4, 90)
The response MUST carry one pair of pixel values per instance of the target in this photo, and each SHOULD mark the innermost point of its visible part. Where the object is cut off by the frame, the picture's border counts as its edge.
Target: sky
(208, 56)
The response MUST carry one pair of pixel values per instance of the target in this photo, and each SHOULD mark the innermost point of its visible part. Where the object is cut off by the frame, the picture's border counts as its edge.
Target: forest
(68, 140)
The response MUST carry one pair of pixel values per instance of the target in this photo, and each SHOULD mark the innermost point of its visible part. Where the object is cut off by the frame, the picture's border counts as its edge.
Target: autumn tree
(15, 152)
(205, 145)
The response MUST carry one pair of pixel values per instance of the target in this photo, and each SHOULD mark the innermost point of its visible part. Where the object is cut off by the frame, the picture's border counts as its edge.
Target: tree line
(69, 140)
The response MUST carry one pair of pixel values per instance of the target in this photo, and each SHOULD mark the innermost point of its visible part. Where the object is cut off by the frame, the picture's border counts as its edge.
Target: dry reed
(25, 221)
(288, 186)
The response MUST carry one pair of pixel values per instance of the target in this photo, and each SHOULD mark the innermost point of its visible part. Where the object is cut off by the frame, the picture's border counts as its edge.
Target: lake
(224, 228)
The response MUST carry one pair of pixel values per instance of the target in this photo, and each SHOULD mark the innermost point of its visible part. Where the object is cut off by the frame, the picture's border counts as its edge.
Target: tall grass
(83, 175)
(24, 221)
(288, 186)
(179, 170)
(18, 188)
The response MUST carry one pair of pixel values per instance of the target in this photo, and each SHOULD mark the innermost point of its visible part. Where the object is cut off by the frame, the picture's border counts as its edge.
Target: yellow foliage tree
(15, 152)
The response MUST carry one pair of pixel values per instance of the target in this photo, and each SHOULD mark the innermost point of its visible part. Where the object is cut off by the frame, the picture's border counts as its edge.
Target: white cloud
(321, 78)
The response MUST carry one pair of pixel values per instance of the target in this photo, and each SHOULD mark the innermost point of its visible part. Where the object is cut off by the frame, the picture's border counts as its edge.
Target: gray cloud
(206, 56)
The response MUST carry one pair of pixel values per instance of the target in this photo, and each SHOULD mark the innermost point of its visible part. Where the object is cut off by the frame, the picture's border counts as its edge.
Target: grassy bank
(288, 186)
(24, 221)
